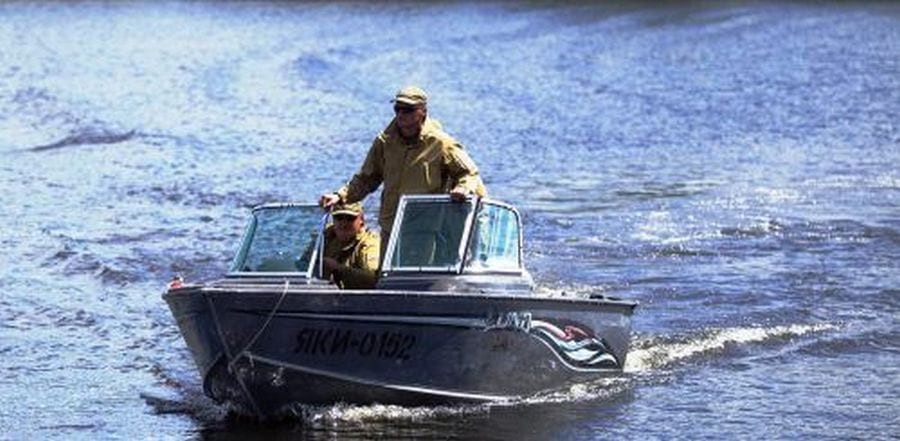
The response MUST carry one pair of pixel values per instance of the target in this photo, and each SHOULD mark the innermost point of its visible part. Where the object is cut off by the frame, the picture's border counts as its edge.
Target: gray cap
(411, 95)
(354, 209)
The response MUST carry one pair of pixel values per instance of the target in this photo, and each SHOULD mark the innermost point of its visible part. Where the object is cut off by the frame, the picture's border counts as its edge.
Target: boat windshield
(280, 238)
(431, 233)
(434, 234)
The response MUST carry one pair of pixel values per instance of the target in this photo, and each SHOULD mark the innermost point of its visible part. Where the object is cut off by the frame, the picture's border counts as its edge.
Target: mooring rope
(229, 358)
(265, 325)
(232, 359)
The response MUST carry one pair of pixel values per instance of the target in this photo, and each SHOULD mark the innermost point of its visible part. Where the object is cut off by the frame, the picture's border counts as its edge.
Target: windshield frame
(387, 261)
(315, 259)
(520, 264)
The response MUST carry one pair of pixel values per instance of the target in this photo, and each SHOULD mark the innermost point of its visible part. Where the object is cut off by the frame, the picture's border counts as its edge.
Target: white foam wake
(327, 416)
(652, 355)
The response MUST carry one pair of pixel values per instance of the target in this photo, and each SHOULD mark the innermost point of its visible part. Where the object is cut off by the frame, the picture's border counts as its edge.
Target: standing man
(351, 251)
(412, 155)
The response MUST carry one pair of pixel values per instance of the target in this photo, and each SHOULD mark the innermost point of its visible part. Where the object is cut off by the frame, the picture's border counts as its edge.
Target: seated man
(351, 251)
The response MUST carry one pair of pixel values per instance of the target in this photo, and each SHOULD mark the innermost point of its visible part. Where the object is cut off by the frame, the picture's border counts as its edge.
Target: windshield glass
(430, 234)
(280, 238)
(496, 240)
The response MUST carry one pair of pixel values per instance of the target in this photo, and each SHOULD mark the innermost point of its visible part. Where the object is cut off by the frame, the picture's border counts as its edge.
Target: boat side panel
(454, 347)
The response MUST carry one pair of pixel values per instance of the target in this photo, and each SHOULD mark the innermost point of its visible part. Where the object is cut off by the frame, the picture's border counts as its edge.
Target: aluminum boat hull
(265, 346)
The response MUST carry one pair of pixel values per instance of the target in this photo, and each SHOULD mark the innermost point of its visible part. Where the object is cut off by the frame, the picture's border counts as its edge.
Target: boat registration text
(337, 342)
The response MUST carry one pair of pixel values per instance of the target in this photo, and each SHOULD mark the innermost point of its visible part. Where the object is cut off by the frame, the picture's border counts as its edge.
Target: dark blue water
(733, 167)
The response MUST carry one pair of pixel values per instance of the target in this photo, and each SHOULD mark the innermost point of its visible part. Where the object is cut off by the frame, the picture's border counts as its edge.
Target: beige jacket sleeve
(463, 172)
(369, 176)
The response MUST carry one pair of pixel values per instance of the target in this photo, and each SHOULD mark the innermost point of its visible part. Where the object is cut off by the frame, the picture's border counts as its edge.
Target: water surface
(732, 167)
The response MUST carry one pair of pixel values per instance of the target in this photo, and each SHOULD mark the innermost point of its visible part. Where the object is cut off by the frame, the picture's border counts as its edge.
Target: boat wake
(341, 414)
(654, 353)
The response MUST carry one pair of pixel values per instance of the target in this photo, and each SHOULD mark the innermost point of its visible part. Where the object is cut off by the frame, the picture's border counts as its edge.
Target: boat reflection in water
(454, 318)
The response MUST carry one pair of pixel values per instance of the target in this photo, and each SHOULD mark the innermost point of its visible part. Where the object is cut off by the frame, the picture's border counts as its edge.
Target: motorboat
(454, 318)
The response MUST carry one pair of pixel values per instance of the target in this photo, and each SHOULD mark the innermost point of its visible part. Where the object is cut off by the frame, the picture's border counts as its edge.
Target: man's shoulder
(434, 131)
(370, 238)
(387, 133)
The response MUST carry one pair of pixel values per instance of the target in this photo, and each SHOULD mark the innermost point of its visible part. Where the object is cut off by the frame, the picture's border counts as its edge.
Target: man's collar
(352, 242)
(428, 126)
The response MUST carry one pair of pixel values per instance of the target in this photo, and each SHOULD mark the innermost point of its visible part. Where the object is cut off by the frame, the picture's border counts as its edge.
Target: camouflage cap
(354, 209)
(411, 95)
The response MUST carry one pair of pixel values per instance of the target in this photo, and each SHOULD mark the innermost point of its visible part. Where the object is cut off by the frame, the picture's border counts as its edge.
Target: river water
(732, 167)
